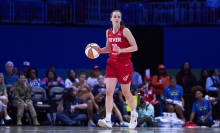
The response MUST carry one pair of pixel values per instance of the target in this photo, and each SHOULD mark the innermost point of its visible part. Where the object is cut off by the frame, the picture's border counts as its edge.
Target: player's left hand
(117, 49)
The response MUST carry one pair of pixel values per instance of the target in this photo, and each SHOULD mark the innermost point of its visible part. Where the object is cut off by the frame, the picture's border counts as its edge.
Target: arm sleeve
(16, 95)
(150, 110)
(67, 83)
(81, 101)
(181, 91)
(139, 80)
(155, 82)
(165, 92)
(209, 105)
(209, 84)
(28, 95)
(95, 90)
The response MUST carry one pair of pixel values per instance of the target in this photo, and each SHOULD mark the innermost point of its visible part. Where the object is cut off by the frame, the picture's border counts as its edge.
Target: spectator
(148, 92)
(202, 80)
(51, 80)
(72, 77)
(173, 96)
(84, 92)
(145, 112)
(32, 77)
(202, 107)
(16, 71)
(10, 77)
(70, 109)
(187, 80)
(22, 100)
(99, 92)
(212, 87)
(160, 80)
(92, 81)
(53, 67)
(25, 67)
(3, 100)
(136, 78)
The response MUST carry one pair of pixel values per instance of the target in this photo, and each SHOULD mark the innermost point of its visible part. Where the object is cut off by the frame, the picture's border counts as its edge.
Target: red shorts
(121, 69)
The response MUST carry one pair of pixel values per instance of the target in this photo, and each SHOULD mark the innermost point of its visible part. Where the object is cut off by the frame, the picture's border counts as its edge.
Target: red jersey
(119, 40)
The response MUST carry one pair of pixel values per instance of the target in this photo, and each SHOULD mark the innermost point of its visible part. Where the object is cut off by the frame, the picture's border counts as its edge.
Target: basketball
(92, 50)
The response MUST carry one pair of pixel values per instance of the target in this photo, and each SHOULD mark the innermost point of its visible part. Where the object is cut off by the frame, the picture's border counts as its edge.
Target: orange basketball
(92, 50)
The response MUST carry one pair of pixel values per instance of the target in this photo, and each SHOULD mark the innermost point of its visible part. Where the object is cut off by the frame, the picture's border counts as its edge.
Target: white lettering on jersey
(114, 39)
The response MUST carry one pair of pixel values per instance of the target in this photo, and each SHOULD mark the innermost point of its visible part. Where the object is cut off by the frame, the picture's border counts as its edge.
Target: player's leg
(127, 94)
(110, 88)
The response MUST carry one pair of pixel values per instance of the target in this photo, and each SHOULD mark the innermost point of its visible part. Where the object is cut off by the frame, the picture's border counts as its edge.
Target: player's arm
(127, 34)
(107, 48)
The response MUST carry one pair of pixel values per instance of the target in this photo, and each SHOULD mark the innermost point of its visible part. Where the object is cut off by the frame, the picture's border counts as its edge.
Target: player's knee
(109, 92)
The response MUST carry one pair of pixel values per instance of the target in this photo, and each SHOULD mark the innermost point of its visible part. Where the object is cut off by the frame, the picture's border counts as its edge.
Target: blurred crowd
(25, 98)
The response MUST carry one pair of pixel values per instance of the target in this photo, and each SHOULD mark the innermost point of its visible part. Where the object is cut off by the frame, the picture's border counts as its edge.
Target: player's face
(116, 18)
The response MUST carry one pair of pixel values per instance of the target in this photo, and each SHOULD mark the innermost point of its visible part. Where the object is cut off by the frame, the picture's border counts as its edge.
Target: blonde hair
(2, 83)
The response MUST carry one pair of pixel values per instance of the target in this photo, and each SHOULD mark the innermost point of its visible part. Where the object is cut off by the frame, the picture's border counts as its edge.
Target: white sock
(108, 116)
(133, 112)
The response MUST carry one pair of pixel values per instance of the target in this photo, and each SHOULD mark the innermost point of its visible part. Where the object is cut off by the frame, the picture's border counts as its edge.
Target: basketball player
(120, 43)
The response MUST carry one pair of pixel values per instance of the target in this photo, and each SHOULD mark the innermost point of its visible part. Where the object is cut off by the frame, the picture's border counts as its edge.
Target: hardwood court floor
(59, 129)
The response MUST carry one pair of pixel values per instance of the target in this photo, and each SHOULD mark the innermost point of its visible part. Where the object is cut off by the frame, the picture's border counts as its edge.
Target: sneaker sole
(102, 124)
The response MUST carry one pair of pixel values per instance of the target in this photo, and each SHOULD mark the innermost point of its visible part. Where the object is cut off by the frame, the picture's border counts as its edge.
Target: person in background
(25, 67)
(10, 77)
(202, 80)
(136, 78)
(187, 80)
(32, 77)
(52, 80)
(173, 96)
(72, 77)
(85, 93)
(22, 100)
(3, 101)
(202, 107)
(212, 87)
(53, 67)
(92, 81)
(148, 92)
(70, 109)
(145, 112)
(160, 80)
(16, 71)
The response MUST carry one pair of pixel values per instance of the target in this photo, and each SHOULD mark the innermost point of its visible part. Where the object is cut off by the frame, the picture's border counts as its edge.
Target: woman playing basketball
(120, 43)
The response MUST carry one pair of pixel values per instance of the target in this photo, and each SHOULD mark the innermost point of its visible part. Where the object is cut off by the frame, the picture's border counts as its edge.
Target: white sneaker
(7, 118)
(124, 124)
(2, 122)
(133, 122)
(216, 124)
(105, 123)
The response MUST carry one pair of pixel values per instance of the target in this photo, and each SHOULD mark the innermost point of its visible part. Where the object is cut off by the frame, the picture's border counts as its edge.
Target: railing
(169, 13)
(5, 11)
(97, 12)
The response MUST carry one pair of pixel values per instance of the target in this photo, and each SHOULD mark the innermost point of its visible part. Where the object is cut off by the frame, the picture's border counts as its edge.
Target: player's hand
(117, 49)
